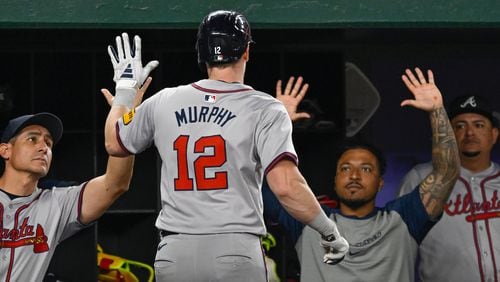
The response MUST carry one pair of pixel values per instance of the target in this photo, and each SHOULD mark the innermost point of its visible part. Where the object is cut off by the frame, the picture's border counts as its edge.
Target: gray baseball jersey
(216, 141)
(31, 227)
(465, 244)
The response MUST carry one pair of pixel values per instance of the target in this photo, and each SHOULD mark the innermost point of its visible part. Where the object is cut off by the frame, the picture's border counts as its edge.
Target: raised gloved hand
(335, 247)
(129, 73)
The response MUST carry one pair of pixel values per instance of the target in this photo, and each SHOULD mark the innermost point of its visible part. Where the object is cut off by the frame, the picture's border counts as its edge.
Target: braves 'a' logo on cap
(471, 101)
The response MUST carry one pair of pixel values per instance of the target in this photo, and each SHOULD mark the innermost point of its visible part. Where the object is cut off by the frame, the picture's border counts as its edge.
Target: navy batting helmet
(223, 37)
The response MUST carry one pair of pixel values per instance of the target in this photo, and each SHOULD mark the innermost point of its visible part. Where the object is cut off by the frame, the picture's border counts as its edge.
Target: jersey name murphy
(193, 114)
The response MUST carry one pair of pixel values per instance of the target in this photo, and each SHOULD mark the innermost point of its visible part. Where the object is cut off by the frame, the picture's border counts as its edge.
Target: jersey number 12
(184, 182)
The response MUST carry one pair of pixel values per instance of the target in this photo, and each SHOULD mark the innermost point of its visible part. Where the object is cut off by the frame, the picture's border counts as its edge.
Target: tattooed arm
(436, 187)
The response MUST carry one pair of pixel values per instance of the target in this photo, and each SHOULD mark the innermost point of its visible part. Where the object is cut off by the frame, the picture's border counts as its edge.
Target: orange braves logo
(490, 208)
(24, 236)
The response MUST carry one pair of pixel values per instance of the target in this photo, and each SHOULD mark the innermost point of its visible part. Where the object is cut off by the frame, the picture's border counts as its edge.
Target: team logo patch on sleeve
(127, 118)
(210, 98)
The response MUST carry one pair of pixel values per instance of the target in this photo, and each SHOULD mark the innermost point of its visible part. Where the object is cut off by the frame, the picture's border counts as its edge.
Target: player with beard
(383, 242)
(465, 245)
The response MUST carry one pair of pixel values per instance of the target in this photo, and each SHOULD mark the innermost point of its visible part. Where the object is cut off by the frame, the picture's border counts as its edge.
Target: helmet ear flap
(239, 44)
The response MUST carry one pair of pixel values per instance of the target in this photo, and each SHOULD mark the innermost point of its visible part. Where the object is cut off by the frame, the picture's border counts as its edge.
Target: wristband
(127, 83)
(324, 226)
(124, 97)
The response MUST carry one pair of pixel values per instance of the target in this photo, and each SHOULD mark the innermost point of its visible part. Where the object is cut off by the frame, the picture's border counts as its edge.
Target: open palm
(291, 97)
(426, 95)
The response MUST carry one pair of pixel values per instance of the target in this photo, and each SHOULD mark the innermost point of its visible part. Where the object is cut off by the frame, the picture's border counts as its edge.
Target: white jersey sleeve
(69, 200)
(274, 136)
(136, 128)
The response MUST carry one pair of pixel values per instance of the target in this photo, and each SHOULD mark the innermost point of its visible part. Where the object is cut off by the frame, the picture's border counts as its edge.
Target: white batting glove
(335, 245)
(336, 248)
(129, 73)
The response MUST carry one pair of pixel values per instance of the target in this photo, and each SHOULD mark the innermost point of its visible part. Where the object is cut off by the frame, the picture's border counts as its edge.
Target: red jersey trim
(474, 232)
(282, 156)
(117, 130)
(194, 85)
(13, 251)
(80, 202)
(487, 223)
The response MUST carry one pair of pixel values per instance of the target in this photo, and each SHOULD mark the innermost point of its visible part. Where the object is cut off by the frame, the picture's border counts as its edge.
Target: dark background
(62, 70)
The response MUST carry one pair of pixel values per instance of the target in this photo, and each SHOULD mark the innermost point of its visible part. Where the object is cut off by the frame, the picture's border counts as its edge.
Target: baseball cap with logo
(47, 120)
(473, 104)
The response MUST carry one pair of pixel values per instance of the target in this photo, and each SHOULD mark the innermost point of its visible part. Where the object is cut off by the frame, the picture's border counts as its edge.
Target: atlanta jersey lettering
(465, 244)
(31, 227)
(216, 141)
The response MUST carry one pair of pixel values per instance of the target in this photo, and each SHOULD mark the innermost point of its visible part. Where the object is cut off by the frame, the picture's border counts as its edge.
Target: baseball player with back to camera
(217, 139)
(383, 241)
(465, 244)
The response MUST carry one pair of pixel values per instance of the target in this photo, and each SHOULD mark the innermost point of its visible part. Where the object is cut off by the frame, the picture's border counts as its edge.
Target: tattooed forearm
(436, 187)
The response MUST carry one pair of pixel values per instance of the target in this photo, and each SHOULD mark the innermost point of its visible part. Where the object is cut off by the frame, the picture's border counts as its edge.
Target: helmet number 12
(216, 159)
(217, 50)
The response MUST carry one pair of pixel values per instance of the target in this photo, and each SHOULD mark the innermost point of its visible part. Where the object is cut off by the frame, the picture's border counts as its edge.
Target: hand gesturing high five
(292, 96)
(427, 95)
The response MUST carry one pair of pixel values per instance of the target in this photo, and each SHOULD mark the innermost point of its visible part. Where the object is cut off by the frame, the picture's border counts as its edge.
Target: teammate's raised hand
(427, 95)
(292, 96)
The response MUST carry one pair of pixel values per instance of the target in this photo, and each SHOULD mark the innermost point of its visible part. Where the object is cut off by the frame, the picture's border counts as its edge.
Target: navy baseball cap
(472, 104)
(47, 120)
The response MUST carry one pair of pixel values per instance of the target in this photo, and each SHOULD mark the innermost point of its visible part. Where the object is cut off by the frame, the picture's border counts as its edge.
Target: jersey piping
(285, 155)
(117, 130)
(208, 90)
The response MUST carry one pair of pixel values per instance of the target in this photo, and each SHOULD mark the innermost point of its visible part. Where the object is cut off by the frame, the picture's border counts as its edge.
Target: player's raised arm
(129, 75)
(101, 192)
(437, 186)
